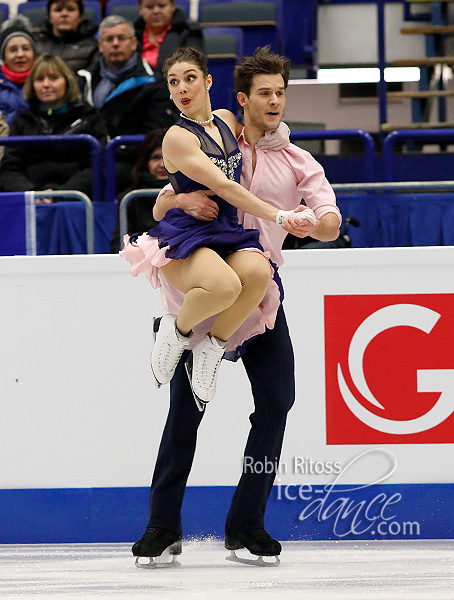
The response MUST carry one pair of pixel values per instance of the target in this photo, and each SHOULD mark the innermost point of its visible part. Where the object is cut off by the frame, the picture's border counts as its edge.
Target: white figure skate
(169, 345)
(202, 369)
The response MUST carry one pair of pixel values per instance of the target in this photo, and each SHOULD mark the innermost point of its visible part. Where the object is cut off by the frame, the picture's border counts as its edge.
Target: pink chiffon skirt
(145, 256)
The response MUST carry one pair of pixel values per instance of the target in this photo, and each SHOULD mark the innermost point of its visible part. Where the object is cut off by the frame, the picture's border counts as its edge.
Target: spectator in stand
(148, 172)
(162, 28)
(18, 54)
(55, 107)
(4, 129)
(132, 98)
(68, 34)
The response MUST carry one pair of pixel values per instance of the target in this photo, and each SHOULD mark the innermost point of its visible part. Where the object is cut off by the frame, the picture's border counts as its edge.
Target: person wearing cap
(68, 34)
(18, 53)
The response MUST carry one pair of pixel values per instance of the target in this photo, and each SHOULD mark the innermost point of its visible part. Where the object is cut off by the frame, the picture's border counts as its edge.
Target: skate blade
(155, 328)
(188, 366)
(153, 564)
(256, 562)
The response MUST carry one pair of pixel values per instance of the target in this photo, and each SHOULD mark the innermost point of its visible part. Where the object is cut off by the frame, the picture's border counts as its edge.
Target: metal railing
(111, 148)
(406, 134)
(339, 134)
(124, 207)
(89, 214)
(79, 138)
(393, 186)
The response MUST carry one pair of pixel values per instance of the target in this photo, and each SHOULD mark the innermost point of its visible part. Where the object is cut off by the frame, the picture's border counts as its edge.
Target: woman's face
(157, 14)
(156, 165)
(187, 86)
(64, 16)
(19, 55)
(50, 88)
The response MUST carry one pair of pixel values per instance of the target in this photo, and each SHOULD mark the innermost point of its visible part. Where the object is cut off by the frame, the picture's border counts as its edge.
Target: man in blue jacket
(132, 98)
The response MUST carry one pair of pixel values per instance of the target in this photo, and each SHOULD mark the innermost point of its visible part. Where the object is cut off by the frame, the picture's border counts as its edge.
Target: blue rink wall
(369, 445)
(119, 514)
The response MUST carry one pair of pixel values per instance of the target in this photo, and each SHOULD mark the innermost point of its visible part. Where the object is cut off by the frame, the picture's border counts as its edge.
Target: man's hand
(299, 226)
(198, 205)
(325, 230)
(44, 200)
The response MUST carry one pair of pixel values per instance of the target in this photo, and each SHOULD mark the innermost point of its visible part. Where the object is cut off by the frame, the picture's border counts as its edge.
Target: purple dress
(182, 233)
(177, 235)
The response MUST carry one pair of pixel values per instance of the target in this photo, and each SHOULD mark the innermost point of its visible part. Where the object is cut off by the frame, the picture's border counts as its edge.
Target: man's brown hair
(264, 62)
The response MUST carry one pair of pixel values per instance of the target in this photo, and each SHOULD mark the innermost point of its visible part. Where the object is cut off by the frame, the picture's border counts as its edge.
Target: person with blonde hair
(55, 108)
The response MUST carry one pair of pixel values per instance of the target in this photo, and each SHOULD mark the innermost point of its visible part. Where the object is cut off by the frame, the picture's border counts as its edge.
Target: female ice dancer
(217, 265)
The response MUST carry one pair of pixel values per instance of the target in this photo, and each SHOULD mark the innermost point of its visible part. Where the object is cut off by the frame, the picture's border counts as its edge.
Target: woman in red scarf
(18, 55)
(162, 28)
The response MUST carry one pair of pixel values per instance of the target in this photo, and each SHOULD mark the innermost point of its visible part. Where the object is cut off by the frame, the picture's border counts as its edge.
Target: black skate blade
(188, 366)
(155, 329)
(154, 564)
(256, 562)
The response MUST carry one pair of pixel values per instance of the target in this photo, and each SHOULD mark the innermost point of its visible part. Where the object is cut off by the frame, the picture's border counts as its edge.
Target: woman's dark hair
(50, 63)
(186, 54)
(152, 142)
(79, 3)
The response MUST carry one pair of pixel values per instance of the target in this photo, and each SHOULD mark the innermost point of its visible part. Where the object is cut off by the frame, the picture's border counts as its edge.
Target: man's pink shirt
(282, 178)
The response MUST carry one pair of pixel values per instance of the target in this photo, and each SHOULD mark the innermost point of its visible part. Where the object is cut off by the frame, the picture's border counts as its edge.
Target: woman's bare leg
(253, 270)
(209, 283)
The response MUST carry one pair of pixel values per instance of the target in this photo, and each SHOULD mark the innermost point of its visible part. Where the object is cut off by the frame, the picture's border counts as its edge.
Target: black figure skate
(257, 541)
(154, 542)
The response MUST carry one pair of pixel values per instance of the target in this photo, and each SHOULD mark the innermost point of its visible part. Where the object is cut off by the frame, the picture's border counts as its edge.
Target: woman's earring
(208, 88)
(171, 96)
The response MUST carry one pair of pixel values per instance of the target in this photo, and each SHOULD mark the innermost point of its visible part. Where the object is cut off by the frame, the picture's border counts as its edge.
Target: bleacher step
(422, 94)
(426, 61)
(387, 127)
(441, 29)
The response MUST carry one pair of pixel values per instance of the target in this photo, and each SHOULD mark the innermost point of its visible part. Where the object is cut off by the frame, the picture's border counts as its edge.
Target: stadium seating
(223, 47)
(130, 8)
(36, 11)
(260, 20)
(4, 12)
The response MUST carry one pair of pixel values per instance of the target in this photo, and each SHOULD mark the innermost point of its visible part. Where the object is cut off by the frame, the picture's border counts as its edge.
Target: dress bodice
(229, 162)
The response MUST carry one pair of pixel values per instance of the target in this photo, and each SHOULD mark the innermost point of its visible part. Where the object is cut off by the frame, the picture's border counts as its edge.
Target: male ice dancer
(281, 177)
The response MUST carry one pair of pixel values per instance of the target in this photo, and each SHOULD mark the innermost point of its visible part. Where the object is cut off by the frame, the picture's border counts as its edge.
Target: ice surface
(391, 570)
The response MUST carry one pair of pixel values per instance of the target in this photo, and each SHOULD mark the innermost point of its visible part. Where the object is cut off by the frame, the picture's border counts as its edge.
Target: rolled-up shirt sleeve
(313, 186)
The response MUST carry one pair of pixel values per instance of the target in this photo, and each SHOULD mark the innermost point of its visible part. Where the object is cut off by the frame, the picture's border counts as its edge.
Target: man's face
(117, 45)
(264, 106)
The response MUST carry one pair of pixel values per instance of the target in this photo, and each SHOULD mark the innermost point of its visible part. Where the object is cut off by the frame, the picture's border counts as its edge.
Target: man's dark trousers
(269, 364)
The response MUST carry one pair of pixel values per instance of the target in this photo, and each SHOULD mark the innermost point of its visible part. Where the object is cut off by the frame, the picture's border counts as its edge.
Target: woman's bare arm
(182, 152)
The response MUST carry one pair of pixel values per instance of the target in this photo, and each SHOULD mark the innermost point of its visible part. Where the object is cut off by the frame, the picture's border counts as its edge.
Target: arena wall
(369, 440)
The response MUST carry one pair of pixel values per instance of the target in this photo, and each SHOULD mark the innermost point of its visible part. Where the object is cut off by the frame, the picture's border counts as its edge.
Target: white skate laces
(168, 347)
(207, 356)
(304, 215)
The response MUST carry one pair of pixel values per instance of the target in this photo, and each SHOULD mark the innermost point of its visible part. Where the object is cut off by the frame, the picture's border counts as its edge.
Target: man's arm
(326, 228)
(197, 204)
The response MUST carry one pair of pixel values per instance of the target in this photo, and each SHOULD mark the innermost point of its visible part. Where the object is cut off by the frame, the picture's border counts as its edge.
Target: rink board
(81, 418)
